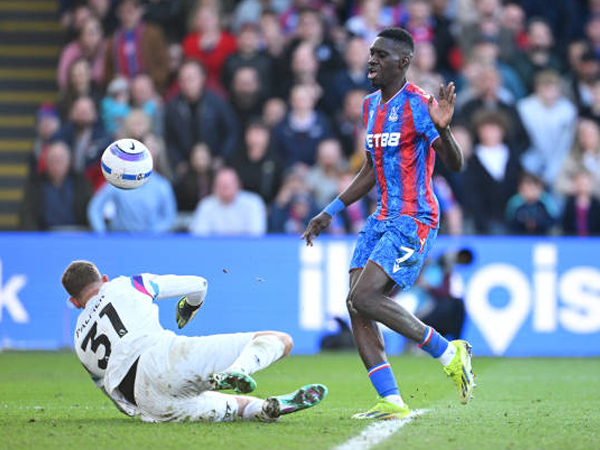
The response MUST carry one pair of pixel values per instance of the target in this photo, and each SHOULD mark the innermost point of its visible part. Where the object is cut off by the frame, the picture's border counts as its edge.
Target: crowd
(253, 113)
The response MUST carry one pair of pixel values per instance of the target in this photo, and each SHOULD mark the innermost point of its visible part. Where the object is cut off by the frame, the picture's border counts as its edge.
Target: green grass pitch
(48, 402)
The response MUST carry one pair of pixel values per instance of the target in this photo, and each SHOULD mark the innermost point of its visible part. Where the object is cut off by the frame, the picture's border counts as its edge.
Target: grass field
(48, 402)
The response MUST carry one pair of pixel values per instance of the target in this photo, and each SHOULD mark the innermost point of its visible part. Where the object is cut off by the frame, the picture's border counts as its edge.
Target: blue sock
(433, 343)
(383, 379)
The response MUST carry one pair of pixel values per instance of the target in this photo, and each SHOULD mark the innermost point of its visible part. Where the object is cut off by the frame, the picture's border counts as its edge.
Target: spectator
(74, 19)
(249, 54)
(371, 19)
(150, 208)
(311, 30)
(169, 15)
(230, 210)
(487, 23)
(487, 51)
(274, 111)
(293, 206)
(305, 70)
(585, 155)
(353, 76)
(196, 183)
(592, 109)
(581, 216)
(90, 46)
(85, 136)
(531, 210)
(115, 106)
(349, 122)
(550, 120)
(250, 11)
(297, 137)
(592, 33)
(274, 43)
(323, 178)
(247, 95)
(422, 70)
(197, 115)
(486, 95)
(79, 84)
(105, 11)
(46, 126)
(424, 28)
(137, 47)
(137, 125)
(209, 44)
(539, 55)
(491, 174)
(585, 74)
(144, 96)
(513, 20)
(259, 169)
(57, 197)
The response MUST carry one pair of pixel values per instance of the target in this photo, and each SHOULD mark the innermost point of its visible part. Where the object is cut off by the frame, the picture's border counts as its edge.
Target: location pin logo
(498, 325)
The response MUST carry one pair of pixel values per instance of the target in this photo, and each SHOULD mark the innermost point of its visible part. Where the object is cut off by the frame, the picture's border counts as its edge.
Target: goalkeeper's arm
(168, 286)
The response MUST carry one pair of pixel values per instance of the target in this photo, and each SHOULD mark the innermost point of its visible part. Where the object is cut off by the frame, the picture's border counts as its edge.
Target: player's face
(387, 62)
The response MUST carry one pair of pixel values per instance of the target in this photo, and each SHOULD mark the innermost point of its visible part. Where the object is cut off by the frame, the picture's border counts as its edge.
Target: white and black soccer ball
(126, 164)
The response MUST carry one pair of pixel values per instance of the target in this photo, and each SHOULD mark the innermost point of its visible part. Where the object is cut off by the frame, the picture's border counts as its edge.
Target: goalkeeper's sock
(437, 346)
(382, 378)
(253, 409)
(260, 352)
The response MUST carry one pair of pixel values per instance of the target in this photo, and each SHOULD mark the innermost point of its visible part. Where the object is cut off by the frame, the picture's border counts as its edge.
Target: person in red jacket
(209, 44)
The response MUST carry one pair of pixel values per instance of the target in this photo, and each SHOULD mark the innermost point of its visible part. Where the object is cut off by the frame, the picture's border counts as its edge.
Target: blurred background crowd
(252, 110)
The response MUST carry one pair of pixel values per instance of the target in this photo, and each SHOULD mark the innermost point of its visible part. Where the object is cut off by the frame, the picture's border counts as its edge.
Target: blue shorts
(399, 246)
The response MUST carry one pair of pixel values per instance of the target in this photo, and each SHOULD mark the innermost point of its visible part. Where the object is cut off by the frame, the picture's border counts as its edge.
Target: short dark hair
(399, 35)
(78, 275)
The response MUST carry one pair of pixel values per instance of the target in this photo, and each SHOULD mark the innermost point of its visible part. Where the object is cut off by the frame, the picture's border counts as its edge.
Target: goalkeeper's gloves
(184, 312)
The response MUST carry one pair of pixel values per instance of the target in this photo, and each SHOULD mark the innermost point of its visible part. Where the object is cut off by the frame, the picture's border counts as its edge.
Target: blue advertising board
(523, 296)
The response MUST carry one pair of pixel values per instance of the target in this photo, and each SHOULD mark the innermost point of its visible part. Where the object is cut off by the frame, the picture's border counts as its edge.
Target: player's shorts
(171, 385)
(399, 246)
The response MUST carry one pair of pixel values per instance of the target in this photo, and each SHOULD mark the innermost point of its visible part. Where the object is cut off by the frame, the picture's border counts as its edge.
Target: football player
(151, 372)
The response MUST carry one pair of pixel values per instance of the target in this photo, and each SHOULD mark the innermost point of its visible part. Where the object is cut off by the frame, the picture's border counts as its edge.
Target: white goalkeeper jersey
(121, 321)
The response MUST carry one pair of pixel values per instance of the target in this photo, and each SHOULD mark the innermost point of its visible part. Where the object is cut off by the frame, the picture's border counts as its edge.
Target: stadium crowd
(253, 113)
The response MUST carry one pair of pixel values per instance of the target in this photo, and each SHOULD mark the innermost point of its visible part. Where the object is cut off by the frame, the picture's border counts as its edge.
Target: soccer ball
(126, 164)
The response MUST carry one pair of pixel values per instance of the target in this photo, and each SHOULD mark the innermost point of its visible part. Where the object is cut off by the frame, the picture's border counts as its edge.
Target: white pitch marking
(378, 432)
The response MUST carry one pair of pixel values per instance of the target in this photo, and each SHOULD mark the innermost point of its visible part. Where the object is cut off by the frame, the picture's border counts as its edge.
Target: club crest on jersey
(393, 116)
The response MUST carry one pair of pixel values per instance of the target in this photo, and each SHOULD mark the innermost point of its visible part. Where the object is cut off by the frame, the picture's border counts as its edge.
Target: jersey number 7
(97, 341)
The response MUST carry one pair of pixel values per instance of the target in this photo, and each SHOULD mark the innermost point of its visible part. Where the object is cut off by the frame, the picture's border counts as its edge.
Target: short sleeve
(423, 123)
(366, 103)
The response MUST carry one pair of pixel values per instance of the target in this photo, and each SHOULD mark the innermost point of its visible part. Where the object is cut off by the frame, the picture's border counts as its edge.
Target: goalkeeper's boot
(460, 370)
(240, 382)
(184, 312)
(384, 410)
(305, 397)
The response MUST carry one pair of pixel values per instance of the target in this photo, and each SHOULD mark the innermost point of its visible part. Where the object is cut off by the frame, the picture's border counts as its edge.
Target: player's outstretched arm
(358, 188)
(441, 116)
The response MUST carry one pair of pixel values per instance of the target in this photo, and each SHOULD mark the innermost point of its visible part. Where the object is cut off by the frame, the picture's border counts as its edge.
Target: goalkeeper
(151, 372)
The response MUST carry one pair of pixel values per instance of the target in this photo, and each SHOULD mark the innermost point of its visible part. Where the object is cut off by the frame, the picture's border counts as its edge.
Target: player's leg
(369, 342)
(264, 349)
(216, 407)
(398, 257)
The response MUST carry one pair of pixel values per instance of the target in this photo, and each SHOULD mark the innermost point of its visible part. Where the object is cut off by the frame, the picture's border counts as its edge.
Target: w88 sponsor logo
(383, 139)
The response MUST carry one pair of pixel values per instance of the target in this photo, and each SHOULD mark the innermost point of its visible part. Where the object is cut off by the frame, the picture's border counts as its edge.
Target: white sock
(253, 409)
(395, 399)
(448, 355)
(260, 352)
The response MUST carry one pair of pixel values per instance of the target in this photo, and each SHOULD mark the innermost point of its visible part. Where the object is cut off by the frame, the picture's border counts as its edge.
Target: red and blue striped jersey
(399, 138)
